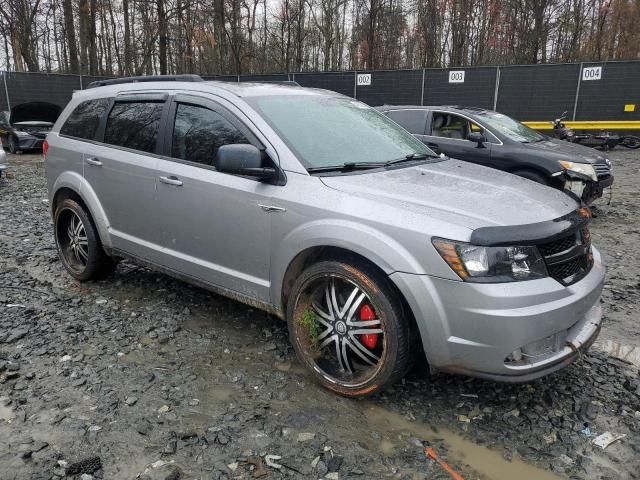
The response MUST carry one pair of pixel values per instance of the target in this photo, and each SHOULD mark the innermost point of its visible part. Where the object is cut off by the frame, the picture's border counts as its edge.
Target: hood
(462, 193)
(567, 151)
(34, 112)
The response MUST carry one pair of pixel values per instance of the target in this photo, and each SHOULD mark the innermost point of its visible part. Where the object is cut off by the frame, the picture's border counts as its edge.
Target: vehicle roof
(242, 89)
(449, 108)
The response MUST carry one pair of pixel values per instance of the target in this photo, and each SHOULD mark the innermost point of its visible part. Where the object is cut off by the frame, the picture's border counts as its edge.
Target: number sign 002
(364, 79)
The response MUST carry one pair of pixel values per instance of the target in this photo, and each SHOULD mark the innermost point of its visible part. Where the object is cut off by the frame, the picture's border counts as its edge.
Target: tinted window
(83, 121)
(199, 132)
(134, 125)
(413, 120)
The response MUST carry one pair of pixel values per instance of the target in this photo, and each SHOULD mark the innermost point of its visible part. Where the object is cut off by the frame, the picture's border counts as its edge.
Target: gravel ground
(142, 376)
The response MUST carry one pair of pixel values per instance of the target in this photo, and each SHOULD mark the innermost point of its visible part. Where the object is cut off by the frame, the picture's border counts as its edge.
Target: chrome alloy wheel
(345, 336)
(72, 239)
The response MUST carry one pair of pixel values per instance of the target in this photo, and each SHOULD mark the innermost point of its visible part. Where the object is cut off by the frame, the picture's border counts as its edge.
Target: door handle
(175, 181)
(94, 161)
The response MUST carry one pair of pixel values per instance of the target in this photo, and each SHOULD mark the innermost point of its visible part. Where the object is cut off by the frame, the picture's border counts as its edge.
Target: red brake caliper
(368, 339)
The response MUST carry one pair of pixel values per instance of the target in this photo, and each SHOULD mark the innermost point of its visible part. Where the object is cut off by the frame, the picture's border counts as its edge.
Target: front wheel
(13, 144)
(630, 141)
(349, 328)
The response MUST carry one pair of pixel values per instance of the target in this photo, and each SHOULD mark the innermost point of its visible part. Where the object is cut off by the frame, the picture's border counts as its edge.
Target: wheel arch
(73, 185)
(320, 253)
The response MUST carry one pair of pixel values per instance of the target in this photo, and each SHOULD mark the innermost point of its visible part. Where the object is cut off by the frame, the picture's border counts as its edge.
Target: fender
(76, 182)
(370, 243)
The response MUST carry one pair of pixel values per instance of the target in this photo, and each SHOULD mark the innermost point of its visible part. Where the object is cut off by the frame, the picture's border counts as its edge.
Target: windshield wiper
(408, 158)
(346, 167)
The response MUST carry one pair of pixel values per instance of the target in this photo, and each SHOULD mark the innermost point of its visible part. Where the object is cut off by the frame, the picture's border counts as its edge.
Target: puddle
(6, 413)
(217, 394)
(625, 352)
(488, 463)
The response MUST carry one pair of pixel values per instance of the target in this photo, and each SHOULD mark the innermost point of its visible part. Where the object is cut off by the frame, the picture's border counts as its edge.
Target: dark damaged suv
(495, 140)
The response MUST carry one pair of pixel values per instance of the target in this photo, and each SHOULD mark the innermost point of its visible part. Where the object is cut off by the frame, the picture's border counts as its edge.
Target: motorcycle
(605, 140)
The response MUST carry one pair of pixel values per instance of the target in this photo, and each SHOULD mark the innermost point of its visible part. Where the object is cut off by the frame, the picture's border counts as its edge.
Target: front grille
(602, 169)
(558, 246)
(569, 258)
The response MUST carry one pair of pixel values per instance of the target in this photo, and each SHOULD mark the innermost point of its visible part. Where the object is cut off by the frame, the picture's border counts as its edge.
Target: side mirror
(478, 138)
(240, 159)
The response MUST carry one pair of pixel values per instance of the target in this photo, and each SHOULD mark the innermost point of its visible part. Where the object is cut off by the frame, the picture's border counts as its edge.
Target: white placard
(456, 76)
(591, 73)
(364, 79)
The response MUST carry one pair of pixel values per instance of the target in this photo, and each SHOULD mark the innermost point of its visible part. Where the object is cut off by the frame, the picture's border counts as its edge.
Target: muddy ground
(142, 376)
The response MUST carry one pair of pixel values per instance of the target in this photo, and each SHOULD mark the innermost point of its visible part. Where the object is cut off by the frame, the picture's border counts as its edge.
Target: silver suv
(318, 209)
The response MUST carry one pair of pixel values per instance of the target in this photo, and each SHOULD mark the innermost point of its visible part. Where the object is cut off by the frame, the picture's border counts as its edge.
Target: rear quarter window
(134, 125)
(85, 118)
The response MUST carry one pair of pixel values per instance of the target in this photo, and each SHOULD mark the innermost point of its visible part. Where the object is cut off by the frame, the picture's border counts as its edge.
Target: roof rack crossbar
(146, 78)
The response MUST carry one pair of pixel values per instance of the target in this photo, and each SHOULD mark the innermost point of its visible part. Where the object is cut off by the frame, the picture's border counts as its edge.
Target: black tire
(533, 176)
(630, 141)
(13, 145)
(83, 256)
(393, 345)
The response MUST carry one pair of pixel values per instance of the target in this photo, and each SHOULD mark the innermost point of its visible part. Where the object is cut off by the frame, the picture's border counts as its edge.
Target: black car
(26, 126)
(495, 140)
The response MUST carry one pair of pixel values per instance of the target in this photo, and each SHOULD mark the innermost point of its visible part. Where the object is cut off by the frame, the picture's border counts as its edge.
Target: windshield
(510, 128)
(326, 131)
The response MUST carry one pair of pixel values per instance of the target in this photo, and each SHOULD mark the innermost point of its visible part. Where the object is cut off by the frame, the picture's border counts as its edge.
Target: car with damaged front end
(324, 212)
(496, 140)
(26, 125)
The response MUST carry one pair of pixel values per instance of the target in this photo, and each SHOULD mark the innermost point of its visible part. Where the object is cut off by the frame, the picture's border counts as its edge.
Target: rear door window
(198, 132)
(134, 125)
(85, 118)
(415, 121)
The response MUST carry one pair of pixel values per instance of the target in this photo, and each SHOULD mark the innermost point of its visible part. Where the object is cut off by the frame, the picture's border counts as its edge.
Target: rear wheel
(79, 246)
(348, 328)
(533, 176)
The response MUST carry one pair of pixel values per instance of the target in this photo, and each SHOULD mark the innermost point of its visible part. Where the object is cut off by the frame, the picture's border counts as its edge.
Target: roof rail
(146, 78)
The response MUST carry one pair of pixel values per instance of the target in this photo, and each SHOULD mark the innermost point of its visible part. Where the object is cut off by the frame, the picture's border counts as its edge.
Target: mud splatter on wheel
(348, 327)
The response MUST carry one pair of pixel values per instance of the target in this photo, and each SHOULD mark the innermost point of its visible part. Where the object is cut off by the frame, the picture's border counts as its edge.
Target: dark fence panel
(527, 93)
(341, 82)
(3, 96)
(605, 99)
(221, 78)
(269, 77)
(537, 92)
(477, 90)
(399, 87)
(41, 87)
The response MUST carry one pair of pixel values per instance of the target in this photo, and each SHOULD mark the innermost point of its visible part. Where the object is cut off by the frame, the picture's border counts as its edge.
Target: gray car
(4, 162)
(316, 208)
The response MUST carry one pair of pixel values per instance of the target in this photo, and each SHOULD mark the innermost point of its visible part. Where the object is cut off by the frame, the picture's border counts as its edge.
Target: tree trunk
(70, 33)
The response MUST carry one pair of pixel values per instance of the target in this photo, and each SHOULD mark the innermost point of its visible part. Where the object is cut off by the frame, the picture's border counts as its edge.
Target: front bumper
(30, 142)
(472, 328)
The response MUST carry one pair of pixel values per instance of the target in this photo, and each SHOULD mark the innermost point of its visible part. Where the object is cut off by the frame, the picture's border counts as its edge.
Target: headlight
(492, 264)
(580, 168)
(20, 133)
